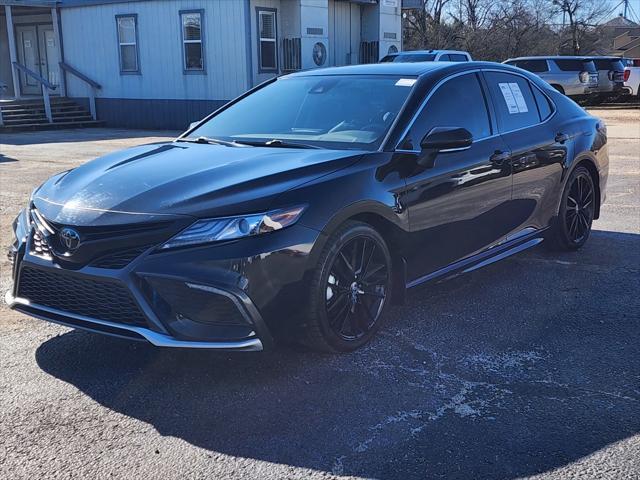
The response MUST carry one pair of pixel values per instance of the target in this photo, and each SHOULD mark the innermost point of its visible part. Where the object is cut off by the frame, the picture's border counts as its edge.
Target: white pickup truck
(632, 75)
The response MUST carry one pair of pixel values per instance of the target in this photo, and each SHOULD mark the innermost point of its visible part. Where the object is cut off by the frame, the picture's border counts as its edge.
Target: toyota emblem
(70, 239)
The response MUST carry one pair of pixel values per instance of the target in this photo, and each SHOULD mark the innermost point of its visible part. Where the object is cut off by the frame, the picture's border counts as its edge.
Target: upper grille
(119, 259)
(39, 245)
(91, 298)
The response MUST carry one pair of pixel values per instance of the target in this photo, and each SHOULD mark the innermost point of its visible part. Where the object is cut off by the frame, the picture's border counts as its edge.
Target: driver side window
(459, 102)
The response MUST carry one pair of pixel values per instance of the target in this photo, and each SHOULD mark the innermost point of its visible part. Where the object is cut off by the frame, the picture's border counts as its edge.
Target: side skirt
(482, 259)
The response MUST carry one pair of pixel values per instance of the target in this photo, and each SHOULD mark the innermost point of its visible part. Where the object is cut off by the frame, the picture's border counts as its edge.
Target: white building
(165, 63)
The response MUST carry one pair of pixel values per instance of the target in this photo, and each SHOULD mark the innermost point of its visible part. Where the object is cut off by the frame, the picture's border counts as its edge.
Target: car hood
(179, 178)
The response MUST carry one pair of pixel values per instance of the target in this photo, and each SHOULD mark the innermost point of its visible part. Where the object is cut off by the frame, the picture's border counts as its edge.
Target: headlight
(231, 228)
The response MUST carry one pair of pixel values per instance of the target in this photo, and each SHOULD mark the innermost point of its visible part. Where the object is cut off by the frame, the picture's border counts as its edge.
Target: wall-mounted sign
(390, 3)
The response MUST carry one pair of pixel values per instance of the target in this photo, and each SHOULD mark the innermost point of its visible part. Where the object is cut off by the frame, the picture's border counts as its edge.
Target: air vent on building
(315, 31)
(390, 35)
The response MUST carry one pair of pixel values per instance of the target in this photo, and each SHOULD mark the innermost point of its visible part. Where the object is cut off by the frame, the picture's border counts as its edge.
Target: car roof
(552, 57)
(414, 69)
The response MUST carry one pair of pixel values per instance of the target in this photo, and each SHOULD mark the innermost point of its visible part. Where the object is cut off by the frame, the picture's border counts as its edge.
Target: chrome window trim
(446, 79)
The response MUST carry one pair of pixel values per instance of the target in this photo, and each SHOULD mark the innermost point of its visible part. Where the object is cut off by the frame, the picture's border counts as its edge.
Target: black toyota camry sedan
(305, 208)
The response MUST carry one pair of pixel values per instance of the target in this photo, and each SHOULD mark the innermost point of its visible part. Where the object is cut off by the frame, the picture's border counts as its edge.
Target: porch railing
(45, 85)
(93, 86)
(3, 88)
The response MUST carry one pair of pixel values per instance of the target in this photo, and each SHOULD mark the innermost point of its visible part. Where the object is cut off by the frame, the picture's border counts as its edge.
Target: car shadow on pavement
(524, 367)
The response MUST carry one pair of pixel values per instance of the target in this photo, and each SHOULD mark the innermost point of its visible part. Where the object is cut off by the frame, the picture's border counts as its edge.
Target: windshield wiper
(210, 141)
(276, 142)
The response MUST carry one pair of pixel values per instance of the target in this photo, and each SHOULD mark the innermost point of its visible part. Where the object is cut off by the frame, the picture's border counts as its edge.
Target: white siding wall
(91, 46)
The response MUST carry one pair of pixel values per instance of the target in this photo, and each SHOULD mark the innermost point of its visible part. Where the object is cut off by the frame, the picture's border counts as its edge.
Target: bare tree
(425, 26)
(581, 15)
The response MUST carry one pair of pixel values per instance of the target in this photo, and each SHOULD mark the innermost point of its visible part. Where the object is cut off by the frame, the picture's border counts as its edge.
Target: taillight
(584, 77)
(627, 74)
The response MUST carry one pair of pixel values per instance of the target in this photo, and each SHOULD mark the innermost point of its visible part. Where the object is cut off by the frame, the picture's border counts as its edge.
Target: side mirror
(446, 138)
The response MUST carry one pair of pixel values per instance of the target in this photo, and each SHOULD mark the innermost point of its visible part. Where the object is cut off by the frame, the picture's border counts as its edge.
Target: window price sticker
(517, 94)
(513, 98)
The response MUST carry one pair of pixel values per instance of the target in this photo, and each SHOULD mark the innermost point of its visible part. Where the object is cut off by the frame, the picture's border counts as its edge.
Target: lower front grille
(91, 298)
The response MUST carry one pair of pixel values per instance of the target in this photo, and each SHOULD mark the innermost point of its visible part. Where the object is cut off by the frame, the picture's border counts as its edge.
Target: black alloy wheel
(579, 208)
(356, 288)
(350, 289)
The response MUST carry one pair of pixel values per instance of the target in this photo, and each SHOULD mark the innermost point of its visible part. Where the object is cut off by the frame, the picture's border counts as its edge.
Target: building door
(344, 32)
(37, 50)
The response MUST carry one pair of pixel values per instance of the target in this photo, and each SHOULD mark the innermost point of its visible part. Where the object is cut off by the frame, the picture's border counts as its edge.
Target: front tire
(349, 291)
(572, 227)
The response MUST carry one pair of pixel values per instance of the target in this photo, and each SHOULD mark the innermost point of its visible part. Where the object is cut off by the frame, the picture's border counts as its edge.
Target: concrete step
(30, 115)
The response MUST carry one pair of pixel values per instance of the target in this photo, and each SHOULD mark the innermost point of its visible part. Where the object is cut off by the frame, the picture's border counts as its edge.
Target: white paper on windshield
(520, 101)
(509, 98)
(405, 82)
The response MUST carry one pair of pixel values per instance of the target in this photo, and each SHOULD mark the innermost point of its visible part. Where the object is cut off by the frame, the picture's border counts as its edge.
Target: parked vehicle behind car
(576, 77)
(302, 209)
(610, 79)
(632, 76)
(428, 56)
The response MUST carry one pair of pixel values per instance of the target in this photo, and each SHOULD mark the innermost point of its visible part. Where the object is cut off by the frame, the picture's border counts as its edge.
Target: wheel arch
(393, 235)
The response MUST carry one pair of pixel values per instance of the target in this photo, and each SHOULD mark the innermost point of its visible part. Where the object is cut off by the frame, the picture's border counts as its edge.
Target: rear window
(532, 65)
(458, 57)
(514, 101)
(573, 65)
(412, 57)
(608, 64)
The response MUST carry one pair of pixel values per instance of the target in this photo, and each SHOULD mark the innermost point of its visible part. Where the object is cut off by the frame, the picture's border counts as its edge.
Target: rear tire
(350, 290)
(571, 228)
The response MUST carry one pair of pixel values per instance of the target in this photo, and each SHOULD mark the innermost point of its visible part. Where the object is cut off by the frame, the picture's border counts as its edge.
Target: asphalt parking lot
(528, 368)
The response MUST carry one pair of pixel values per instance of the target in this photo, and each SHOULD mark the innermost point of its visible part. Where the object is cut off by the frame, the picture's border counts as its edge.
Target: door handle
(561, 137)
(499, 157)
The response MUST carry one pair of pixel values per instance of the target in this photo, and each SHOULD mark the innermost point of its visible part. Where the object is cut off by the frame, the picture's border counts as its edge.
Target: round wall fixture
(392, 49)
(319, 54)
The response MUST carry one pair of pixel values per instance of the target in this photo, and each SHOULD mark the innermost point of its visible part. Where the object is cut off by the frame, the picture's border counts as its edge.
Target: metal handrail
(81, 76)
(35, 76)
(92, 83)
(45, 85)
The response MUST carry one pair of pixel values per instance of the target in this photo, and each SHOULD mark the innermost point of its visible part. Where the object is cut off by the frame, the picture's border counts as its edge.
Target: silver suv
(574, 76)
(610, 76)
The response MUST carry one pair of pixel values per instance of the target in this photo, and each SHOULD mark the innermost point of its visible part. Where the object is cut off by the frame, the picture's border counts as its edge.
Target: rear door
(460, 205)
(526, 123)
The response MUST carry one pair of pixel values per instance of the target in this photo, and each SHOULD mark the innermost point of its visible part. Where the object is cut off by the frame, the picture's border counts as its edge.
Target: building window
(192, 44)
(267, 40)
(128, 43)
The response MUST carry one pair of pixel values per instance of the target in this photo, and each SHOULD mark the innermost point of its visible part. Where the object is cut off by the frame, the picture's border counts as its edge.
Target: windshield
(409, 58)
(333, 111)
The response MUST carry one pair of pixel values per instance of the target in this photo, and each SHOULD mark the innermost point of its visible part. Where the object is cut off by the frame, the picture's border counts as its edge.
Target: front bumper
(230, 296)
(123, 331)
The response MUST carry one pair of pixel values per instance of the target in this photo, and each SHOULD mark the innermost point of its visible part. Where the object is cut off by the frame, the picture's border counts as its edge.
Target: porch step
(30, 115)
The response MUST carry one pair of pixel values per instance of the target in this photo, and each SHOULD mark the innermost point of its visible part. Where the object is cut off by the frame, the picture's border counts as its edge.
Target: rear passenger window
(458, 102)
(514, 101)
(544, 107)
(444, 58)
(535, 66)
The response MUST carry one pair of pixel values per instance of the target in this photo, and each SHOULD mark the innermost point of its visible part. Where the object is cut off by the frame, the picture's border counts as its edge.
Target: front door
(459, 205)
(37, 50)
